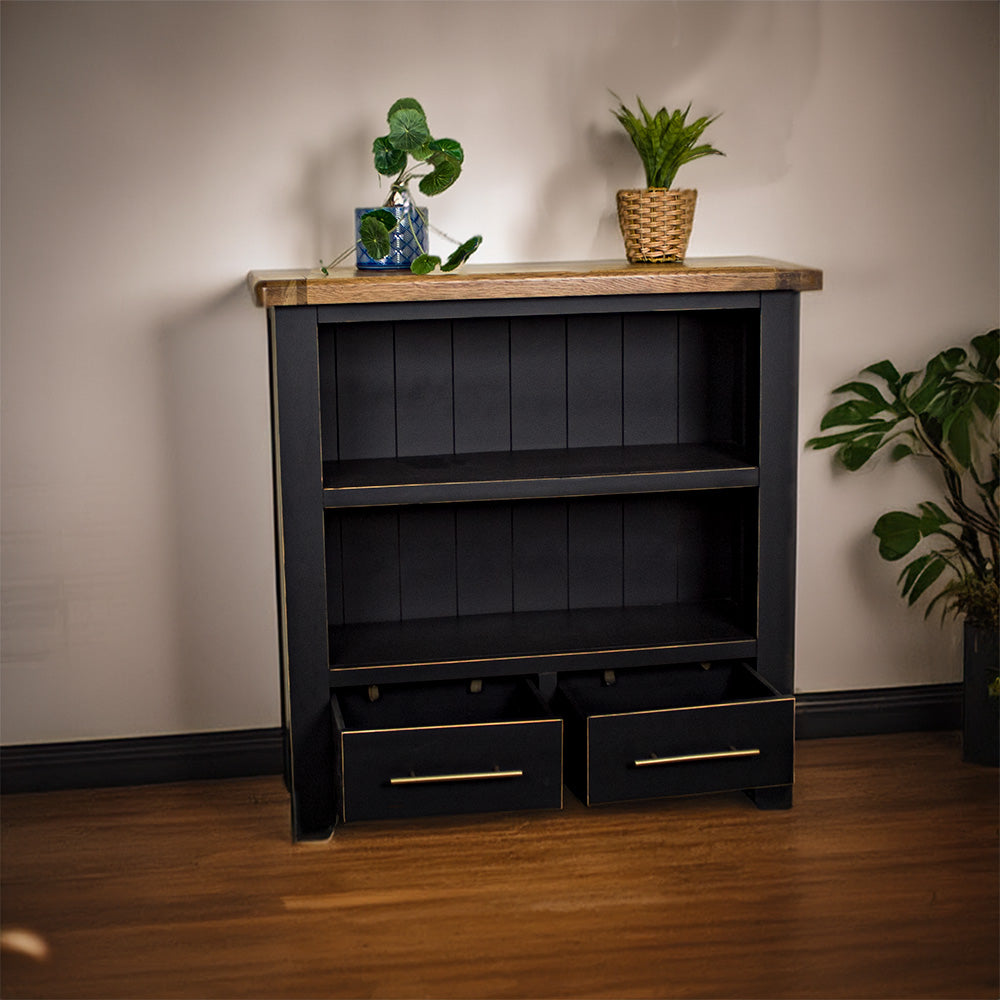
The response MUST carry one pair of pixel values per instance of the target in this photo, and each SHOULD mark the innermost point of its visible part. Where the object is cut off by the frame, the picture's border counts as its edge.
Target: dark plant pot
(406, 240)
(981, 711)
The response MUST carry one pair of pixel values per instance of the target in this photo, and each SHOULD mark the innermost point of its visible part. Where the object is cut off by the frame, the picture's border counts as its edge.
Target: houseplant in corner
(945, 413)
(656, 220)
(394, 235)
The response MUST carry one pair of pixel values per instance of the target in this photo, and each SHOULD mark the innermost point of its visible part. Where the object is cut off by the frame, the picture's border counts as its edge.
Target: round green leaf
(450, 146)
(388, 160)
(375, 236)
(424, 264)
(408, 129)
(405, 102)
(384, 216)
(445, 173)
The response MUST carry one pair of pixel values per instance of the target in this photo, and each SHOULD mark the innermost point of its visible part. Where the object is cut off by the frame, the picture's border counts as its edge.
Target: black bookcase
(534, 531)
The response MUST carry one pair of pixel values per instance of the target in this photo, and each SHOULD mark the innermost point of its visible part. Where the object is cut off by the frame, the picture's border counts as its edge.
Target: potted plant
(656, 220)
(945, 413)
(394, 235)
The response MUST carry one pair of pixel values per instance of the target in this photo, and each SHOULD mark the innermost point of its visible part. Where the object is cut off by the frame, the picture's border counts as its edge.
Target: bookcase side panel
(301, 569)
(779, 362)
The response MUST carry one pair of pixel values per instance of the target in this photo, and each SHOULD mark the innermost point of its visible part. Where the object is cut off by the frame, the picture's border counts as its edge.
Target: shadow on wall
(756, 64)
(335, 179)
(214, 363)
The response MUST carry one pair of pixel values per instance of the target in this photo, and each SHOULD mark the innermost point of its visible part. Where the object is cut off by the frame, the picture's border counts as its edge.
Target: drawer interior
(446, 703)
(683, 686)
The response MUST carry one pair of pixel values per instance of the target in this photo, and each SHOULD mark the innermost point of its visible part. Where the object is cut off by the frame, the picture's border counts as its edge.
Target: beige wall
(154, 153)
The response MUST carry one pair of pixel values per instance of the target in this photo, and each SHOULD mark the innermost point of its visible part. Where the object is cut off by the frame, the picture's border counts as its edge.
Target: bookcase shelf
(548, 472)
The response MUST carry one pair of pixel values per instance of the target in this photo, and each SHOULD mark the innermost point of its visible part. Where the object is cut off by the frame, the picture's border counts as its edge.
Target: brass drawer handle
(685, 758)
(432, 779)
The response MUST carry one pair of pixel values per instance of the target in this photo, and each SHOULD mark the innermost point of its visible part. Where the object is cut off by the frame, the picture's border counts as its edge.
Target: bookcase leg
(775, 797)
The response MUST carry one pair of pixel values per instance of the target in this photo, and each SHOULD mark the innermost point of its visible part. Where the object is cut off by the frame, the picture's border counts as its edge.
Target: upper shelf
(519, 281)
(562, 472)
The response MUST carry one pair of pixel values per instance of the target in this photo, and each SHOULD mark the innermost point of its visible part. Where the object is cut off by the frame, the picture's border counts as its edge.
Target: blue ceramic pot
(408, 240)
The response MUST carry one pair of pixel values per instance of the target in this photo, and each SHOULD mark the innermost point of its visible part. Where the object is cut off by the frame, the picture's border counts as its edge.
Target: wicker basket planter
(656, 223)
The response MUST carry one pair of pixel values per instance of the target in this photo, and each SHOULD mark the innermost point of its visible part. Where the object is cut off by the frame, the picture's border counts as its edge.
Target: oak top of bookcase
(519, 281)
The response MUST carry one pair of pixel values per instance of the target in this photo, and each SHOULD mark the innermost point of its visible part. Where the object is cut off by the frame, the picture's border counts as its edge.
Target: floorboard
(882, 881)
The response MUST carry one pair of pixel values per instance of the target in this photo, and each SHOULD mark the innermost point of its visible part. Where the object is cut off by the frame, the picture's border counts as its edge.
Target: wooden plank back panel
(481, 353)
(365, 392)
(594, 380)
(649, 378)
(538, 382)
(484, 558)
(424, 417)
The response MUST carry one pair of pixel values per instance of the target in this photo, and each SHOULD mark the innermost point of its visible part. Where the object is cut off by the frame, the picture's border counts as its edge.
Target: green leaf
(986, 398)
(920, 401)
(912, 570)
(664, 141)
(842, 437)
(389, 161)
(449, 146)
(405, 102)
(445, 173)
(898, 533)
(987, 346)
(926, 577)
(462, 254)
(375, 235)
(958, 438)
(933, 517)
(867, 391)
(408, 129)
(384, 216)
(852, 411)
(424, 264)
(900, 452)
(856, 453)
(885, 370)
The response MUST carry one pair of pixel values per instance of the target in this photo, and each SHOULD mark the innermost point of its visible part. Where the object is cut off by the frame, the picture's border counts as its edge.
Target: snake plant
(665, 141)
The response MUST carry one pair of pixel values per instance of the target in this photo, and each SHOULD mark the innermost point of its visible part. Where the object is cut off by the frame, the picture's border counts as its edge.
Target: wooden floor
(882, 881)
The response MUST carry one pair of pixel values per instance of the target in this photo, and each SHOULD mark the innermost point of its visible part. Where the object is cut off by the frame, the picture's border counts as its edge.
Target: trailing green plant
(665, 141)
(410, 153)
(945, 412)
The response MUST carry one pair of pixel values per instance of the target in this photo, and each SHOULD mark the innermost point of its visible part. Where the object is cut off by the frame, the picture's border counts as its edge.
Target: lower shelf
(539, 641)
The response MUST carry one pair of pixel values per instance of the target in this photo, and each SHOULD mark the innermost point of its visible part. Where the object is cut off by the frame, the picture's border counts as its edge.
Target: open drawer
(676, 730)
(451, 747)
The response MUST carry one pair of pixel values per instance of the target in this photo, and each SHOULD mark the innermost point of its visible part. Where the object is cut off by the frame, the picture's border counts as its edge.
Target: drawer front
(435, 770)
(684, 751)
